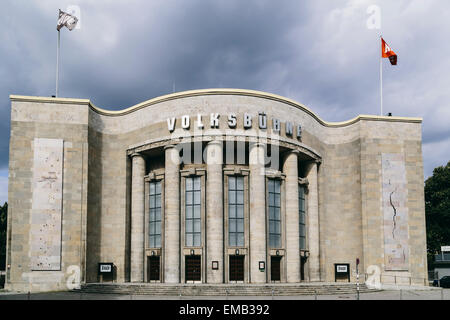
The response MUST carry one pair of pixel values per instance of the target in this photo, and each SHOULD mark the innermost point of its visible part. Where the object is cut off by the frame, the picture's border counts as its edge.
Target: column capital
(215, 142)
(136, 154)
(293, 151)
(314, 163)
(257, 144)
(169, 146)
(303, 181)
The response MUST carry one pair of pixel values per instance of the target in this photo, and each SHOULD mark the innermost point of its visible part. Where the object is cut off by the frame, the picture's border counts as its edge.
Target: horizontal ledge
(207, 92)
(172, 141)
(20, 98)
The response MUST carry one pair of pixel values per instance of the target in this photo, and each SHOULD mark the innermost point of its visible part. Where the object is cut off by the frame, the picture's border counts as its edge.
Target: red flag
(387, 52)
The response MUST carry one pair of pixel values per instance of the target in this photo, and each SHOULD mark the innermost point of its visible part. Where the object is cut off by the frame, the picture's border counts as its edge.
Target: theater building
(210, 186)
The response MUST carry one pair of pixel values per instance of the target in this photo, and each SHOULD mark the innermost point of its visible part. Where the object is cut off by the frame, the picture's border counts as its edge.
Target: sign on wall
(341, 268)
(342, 272)
(46, 207)
(105, 267)
(248, 121)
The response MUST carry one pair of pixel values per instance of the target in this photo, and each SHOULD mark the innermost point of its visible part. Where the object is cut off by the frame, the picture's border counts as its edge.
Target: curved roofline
(214, 91)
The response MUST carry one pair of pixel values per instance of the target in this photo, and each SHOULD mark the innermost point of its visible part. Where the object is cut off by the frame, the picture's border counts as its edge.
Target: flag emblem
(66, 20)
(387, 52)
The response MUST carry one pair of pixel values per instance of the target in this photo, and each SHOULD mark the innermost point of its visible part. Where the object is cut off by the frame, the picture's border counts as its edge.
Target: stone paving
(435, 294)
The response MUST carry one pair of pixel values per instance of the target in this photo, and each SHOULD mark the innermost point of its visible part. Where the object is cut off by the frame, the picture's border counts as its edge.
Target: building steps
(225, 289)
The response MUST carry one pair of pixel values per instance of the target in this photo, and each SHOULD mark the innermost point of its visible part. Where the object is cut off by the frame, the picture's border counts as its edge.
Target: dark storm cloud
(319, 53)
(203, 45)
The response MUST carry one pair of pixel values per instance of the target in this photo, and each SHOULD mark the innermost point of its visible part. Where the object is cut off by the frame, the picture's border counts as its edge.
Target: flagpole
(57, 62)
(381, 82)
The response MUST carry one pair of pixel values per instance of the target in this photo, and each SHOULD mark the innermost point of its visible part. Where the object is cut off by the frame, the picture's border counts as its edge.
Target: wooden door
(193, 268)
(153, 268)
(237, 268)
(275, 268)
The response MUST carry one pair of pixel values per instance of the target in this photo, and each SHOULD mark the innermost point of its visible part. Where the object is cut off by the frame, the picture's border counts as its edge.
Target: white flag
(67, 20)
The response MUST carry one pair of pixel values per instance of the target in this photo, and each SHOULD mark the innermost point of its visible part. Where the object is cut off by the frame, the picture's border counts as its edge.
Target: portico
(237, 207)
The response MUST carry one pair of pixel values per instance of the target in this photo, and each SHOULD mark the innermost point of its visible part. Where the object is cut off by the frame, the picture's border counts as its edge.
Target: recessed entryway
(237, 268)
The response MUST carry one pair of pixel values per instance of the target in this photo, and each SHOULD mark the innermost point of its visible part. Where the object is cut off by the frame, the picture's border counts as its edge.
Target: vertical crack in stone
(395, 212)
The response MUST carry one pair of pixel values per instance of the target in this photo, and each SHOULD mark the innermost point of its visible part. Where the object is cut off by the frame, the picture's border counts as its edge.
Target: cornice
(211, 92)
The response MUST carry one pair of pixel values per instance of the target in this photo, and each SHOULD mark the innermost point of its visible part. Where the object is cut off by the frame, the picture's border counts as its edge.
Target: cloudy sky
(320, 53)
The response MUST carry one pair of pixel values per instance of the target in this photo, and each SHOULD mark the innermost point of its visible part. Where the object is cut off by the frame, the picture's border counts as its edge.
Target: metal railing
(399, 280)
(445, 256)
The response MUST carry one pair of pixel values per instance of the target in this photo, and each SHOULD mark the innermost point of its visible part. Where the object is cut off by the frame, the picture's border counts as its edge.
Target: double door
(153, 268)
(237, 268)
(275, 268)
(193, 268)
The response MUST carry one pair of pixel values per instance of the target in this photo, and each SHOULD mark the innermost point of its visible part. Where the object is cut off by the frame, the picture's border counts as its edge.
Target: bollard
(272, 293)
(28, 295)
(357, 286)
(315, 294)
(226, 294)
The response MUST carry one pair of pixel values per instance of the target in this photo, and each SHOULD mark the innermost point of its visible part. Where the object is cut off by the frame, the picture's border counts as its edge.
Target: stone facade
(111, 158)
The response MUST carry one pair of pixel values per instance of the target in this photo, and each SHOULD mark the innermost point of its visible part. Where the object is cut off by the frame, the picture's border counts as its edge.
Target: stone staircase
(319, 288)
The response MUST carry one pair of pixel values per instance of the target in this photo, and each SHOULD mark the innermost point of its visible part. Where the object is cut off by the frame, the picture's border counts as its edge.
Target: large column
(313, 223)
(172, 216)
(257, 213)
(290, 168)
(137, 218)
(214, 211)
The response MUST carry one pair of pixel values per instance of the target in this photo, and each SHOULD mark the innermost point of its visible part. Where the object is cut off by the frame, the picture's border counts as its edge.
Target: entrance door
(153, 268)
(193, 268)
(302, 268)
(275, 267)
(237, 268)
